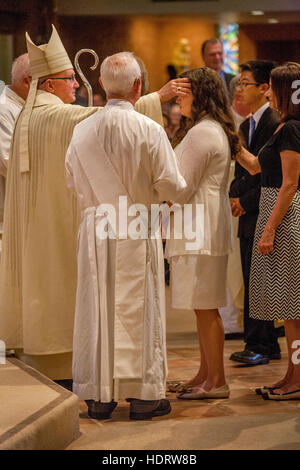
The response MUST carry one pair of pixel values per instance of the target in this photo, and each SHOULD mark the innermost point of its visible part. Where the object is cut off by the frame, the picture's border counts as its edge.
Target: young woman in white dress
(204, 145)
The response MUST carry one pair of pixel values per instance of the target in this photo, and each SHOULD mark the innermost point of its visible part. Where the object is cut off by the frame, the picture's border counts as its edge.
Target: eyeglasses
(72, 78)
(245, 84)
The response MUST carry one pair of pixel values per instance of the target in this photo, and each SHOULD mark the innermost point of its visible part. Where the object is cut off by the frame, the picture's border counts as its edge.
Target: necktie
(251, 129)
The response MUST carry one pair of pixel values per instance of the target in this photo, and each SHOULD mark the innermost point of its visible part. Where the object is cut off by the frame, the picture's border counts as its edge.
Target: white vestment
(119, 333)
(10, 106)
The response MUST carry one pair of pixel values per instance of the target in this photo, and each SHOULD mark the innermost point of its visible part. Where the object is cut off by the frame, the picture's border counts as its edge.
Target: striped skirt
(275, 277)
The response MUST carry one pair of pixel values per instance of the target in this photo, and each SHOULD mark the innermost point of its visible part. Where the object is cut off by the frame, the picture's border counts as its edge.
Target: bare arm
(290, 162)
(249, 161)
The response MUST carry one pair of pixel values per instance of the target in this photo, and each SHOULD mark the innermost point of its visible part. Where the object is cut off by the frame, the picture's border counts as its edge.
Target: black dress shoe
(249, 357)
(66, 383)
(234, 336)
(274, 356)
(100, 410)
(280, 331)
(148, 409)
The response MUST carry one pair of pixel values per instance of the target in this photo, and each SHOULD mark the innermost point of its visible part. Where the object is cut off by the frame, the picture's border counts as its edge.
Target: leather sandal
(192, 394)
(175, 386)
(264, 389)
(282, 396)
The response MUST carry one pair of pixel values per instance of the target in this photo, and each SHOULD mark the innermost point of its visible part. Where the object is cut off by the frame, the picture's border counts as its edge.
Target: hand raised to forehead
(176, 87)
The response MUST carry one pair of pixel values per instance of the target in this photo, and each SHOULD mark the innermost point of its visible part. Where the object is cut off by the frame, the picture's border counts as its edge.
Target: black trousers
(259, 335)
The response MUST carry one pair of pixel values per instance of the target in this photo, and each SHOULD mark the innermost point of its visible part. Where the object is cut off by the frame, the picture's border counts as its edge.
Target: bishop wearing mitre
(38, 272)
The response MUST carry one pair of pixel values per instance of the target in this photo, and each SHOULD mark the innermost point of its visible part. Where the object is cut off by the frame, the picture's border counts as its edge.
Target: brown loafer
(148, 409)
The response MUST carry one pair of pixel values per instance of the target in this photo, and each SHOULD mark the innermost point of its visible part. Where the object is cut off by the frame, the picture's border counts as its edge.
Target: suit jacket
(228, 77)
(246, 186)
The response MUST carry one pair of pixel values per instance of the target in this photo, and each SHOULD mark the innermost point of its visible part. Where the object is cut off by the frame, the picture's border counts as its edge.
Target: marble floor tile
(183, 363)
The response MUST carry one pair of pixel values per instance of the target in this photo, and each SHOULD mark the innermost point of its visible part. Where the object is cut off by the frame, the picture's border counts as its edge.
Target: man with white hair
(38, 271)
(12, 100)
(119, 336)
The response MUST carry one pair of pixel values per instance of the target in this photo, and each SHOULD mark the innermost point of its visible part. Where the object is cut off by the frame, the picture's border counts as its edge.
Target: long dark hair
(210, 98)
(282, 79)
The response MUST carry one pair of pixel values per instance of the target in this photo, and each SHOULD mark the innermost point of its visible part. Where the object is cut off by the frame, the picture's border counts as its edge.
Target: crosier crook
(81, 74)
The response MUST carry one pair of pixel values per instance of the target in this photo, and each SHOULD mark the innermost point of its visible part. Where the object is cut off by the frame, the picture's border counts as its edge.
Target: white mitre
(44, 60)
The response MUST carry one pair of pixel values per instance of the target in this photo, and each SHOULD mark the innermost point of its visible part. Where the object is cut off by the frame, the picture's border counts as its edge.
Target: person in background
(12, 100)
(232, 313)
(213, 57)
(81, 96)
(166, 121)
(239, 108)
(174, 117)
(204, 146)
(275, 264)
(260, 337)
(99, 99)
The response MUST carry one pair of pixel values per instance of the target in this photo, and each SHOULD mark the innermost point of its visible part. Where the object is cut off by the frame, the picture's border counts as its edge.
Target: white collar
(43, 98)
(258, 114)
(120, 103)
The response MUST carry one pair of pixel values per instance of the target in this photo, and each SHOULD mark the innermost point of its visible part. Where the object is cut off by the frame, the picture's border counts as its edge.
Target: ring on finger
(178, 88)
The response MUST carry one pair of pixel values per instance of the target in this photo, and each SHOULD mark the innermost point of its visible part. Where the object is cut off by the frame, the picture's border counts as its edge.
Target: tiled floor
(243, 409)
(183, 361)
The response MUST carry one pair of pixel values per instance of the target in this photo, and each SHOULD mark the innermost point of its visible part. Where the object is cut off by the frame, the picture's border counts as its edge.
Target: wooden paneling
(279, 42)
(247, 46)
(106, 35)
(272, 32)
(34, 16)
(153, 39)
(280, 51)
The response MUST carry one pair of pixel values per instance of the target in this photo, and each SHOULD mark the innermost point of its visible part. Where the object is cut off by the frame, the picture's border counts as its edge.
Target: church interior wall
(165, 34)
(152, 37)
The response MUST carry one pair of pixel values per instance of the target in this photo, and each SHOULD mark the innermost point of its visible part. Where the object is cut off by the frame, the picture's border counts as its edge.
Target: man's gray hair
(118, 73)
(20, 68)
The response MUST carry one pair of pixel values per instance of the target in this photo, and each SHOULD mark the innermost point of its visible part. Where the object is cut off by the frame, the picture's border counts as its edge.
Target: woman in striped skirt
(275, 266)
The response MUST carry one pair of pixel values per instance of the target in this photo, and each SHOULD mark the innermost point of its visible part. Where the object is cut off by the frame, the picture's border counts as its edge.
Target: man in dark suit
(212, 54)
(260, 336)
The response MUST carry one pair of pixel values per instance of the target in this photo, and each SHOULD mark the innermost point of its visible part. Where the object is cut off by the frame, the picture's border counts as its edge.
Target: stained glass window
(228, 35)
